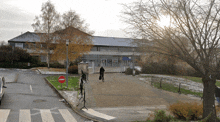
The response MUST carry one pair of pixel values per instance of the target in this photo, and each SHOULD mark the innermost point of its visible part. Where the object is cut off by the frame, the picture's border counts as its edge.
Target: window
(115, 62)
(43, 58)
(109, 62)
(103, 48)
(93, 49)
(19, 45)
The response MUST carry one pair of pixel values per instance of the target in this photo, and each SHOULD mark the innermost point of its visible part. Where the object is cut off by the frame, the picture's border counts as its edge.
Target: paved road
(30, 98)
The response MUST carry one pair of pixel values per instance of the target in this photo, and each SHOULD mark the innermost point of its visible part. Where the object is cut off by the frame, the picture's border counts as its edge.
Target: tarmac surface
(126, 98)
(119, 98)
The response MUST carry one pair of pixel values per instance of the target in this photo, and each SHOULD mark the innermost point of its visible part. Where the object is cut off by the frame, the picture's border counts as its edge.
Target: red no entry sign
(61, 79)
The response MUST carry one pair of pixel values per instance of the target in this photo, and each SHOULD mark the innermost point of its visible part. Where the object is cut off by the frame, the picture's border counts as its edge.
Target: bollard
(160, 83)
(151, 80)
(179, 89)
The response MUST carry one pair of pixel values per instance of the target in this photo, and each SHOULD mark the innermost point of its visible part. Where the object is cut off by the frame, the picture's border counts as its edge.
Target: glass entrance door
(104, 62)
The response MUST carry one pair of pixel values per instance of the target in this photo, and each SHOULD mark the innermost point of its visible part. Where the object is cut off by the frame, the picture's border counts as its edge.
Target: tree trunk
(209, 99)
(48, 60)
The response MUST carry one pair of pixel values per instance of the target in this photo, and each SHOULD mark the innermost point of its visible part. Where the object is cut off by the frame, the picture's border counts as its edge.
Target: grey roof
(26, 37)
(112, 41)
(97, 40)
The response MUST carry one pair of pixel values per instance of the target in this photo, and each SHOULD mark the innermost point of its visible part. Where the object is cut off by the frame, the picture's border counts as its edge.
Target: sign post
(61, 79)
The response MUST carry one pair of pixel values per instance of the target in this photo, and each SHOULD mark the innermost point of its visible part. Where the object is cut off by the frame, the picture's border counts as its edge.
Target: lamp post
(67, 43)
(133, 63)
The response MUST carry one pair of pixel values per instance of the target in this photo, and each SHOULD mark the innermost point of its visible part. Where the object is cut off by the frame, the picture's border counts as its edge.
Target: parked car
(2, 88)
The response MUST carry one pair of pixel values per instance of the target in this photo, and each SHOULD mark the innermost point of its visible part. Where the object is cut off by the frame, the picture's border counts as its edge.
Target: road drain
(39, 100)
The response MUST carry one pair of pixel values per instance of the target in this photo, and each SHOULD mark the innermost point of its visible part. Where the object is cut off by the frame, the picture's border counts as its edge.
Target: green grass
(195, 79)
(199, 80)
(73, 83)
(170, 87)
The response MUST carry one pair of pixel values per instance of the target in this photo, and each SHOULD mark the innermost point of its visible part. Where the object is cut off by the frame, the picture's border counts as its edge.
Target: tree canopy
(79, 44)
(192, 36)
(49, 25)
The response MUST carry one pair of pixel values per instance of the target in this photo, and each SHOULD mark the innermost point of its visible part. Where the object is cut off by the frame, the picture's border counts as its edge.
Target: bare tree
(2, 43)
(72, 19)
(192, 36)
(45, 25)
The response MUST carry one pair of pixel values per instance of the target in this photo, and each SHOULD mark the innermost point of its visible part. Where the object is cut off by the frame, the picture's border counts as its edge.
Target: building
(106, 51)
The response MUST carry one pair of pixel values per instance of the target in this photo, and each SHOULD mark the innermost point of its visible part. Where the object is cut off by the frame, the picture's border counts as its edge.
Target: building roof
(26, 37)
(97, 40)
(112, 41)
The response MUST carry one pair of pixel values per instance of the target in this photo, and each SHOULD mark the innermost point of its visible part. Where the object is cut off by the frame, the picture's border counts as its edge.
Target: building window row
(115, 49)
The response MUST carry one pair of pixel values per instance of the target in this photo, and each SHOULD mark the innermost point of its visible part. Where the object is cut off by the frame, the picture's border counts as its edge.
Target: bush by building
(56, 65)
(73, 69)
(16, 58)
(168, 69)
(158, 68)
(129, 71)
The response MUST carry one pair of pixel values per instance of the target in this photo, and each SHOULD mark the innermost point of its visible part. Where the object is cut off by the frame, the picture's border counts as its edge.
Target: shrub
(75, 62)
(9, 54)
(129, 71)
(187, 111)
(158, 68)
(43, 64)
(73, 69)
(34, 60)
(56, 65)
(160, 116)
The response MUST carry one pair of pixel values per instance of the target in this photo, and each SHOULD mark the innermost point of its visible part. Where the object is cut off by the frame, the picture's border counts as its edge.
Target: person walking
(217, 95)
(102, 70)
(81, 87)
(83, 77)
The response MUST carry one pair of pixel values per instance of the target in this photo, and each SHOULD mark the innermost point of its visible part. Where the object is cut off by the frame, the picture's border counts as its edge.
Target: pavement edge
(73, 108)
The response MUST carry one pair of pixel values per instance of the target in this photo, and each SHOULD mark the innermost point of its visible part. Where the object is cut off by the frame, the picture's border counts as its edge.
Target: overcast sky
(103, 16)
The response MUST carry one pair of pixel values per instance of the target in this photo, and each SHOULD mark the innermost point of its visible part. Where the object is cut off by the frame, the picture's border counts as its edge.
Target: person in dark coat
(83, 77)
(102, 70)
(81, 87)
(217, 95)
(83, 80)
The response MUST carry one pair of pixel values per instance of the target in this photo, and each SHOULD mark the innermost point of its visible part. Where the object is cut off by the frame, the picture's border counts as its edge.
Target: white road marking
(46, 115)
(25, 115)
(67, 115)
(31, 89)
(36, 109)
(97, 114)
(4, 114)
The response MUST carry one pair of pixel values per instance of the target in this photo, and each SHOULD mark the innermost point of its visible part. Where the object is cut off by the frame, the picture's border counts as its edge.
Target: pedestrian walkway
(25, 115)
(50, 72)
(98, 114)
(126, 98)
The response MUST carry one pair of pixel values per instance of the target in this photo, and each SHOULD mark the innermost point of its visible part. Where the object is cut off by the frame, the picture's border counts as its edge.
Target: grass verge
(172, 88)
(73, 83)
(198, 80)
